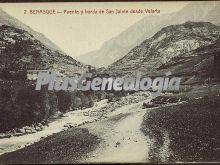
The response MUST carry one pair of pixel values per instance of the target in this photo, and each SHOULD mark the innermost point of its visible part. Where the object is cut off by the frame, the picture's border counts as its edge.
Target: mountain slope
(119, 46)
(195, 66)
(6, 19)
(213, 15)
(169, 43)
(21, 50)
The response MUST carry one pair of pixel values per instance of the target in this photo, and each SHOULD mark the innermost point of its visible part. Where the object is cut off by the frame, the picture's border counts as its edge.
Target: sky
(78, 34)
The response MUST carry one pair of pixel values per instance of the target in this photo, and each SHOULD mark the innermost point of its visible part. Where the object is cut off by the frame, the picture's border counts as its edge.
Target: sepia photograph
(110, 82)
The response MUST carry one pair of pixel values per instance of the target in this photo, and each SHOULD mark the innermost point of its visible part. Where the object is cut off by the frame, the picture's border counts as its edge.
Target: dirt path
(123, 140)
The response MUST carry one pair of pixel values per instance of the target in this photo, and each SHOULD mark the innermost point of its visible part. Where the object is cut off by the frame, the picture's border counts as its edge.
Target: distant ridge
(117, 47)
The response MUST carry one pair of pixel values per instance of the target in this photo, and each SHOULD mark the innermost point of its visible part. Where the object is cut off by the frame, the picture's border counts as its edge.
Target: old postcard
(110, 82)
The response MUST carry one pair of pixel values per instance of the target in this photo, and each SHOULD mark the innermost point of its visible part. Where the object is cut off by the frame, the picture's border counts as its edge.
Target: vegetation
(21, 105)
(64, 147)
(193, 128)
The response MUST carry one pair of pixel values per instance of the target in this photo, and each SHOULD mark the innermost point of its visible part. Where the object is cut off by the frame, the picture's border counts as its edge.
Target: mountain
(213, 15)
(6, 19)
(195, 66)
(166, 45)
(21, 50)
(117, 47)
(120, 45)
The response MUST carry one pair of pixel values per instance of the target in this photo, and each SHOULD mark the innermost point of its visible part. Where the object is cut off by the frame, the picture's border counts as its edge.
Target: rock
(65, 128)
(26, 128)
(45, 123)
(19, 134)
(86, 122)
(65, 115)
(38, 128)
(5, 136)
(22, 130)
(40, 125)
(28, 131)
(2, 135)
(66, 125)
(13, 131)
(86, 113)
(70, 125)
(61, 115)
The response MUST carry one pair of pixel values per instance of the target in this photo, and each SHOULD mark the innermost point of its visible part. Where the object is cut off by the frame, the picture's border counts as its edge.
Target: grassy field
(64, 147)
(193, 128)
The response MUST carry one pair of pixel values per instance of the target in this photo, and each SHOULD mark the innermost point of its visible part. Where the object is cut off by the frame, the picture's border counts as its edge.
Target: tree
(11, 56)
(217, 65)
(64, 101)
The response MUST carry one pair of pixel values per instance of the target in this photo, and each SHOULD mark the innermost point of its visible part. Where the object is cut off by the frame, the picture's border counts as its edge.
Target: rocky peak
(167, 43)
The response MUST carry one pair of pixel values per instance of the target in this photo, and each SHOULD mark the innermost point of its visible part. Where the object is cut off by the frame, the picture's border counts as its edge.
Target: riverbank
(135, 128)
(70, 119)
(99, 111)
(63, 147)
(92, 142)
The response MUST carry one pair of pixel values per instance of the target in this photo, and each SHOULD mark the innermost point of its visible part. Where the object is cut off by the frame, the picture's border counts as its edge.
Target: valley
(170, 116)
(121, 129)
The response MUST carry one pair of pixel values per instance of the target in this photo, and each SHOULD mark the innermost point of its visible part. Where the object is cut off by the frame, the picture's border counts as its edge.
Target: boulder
(66, 125)
(13, 131)
(86, 113)
(22, 130)
(2, 135)
(37, 128)
(27, 128)
(70, 125)
(28, 131)
(40, 125)
(45, 123)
